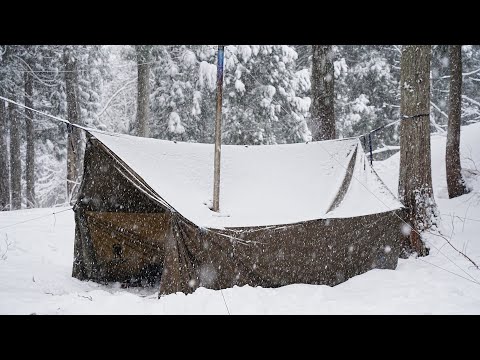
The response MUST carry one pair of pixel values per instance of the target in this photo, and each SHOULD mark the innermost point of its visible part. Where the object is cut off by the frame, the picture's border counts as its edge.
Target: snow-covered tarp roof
(259, 185)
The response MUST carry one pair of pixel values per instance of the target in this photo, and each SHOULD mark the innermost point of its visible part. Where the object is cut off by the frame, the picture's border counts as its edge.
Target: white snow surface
(35, 268)
(259, 185)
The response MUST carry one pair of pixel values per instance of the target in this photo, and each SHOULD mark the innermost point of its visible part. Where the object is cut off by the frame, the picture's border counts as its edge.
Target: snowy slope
(35, 270)
(260, 185)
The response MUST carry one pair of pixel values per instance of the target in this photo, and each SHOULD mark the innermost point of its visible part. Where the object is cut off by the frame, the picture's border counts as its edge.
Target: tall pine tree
(415, 181)
(455, 183)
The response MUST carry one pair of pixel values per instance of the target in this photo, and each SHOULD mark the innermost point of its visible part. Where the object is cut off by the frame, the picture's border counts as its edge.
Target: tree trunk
(455, 183)
(30, 160)
(74, 136)
(415, 182)
(15, 162)
(143, 93)
(4, 168)
(322, 86)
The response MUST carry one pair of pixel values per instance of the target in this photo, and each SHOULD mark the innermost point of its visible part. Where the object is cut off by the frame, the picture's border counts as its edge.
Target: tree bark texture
(143, 92)
(74, 135)
(415, 181)
(15, 161)
(322, 87)
(30, 133)
(455, 183)
(4, 161)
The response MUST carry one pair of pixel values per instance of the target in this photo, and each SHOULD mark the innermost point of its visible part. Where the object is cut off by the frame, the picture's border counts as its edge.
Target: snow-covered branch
(114, 95)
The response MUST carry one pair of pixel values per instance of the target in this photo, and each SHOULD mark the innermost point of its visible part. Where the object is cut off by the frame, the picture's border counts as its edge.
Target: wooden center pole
(218, 132)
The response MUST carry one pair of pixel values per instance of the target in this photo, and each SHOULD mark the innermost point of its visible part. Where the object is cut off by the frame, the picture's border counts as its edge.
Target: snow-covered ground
(36, 261)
